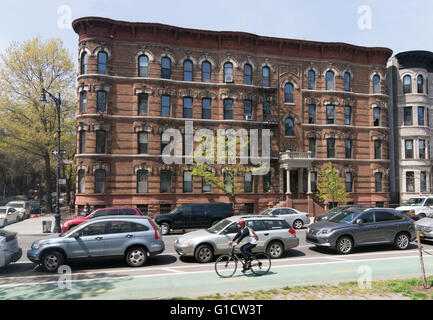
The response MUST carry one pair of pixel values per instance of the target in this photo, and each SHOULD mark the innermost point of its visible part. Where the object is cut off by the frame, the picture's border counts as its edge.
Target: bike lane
(184, 283)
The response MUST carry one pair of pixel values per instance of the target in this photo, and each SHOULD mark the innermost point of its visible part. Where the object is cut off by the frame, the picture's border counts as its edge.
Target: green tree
(27, 127)
(330, 187)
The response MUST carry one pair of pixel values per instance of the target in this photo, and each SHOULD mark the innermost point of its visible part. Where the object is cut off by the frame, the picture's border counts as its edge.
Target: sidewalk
(31, 226)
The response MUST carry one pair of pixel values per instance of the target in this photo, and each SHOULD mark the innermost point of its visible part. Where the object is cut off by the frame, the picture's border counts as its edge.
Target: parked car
(418, 207)
(10, 251)
(101, 213)
(425, 228)
(335, 210)
(8, 215)
(22, 207)
(193, 216)
(294, 217)
(132, 238)
(358, 227)
(275, 236)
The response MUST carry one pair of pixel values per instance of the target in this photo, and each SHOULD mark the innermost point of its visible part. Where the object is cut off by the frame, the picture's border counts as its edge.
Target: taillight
(233, 213)
(307, 215)
(156, 230)
(293, 231)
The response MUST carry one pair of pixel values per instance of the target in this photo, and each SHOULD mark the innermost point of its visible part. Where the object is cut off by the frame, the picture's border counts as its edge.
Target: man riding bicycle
(243, 233)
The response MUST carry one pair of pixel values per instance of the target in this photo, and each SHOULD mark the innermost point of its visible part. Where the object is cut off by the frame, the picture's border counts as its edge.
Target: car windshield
(345, 216)
(414, 202)
(15, 205)
(219, 226)
(3, 211)
(266, 212)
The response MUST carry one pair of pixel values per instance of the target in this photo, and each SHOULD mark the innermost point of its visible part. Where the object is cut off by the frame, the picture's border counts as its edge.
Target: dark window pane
(376, 116)
(311, 80)
(101, 137)
(407, 116)
(165, 105)
(228, 72)
(187, 182)
(187, 107)
(205, 71)
(330, 114)
(81, 181)
(102, 62)
(420, 84)
(99, 181)
(247, 74)
(143, 103)
(312, 146)
(407, 84)
(408, 149)
(421, 146)
(248, 182)
(84, 63)
(348, 149)
(376, 84)
(347, 81)
(377, 149)
(421, 116)
(165, 68)
(349, 186)
(187, 70)
(206, 108)
(329, 80)
(142, 142)
(330, 148)
(423, 181)
(378, 181)
(228, 109)
(267, 182)
(266, 73)
(165, 181)
(382, 216)
(347, 115)
(101, 104)
(289, 127)
(410, 181)
(288, 93)
(248, 110)
(143, 64)
(82, 142)
(83, 101)
(311, 113)
(142, 180)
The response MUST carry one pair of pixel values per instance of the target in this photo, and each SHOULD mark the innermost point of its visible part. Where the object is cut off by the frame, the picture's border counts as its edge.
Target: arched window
(100, 181)
(205, 71)
(288, 93)
(165, 68)
(311, 80)
(420, 84)
(248, 74)
(376, 84)
(187, 70)
(407, 84)
(84, 62)
(346, 81)
(142, 179)
(289, 127)
(228, 72)
(102, 62)
(266, 76)
(143, 65)
(329, 80)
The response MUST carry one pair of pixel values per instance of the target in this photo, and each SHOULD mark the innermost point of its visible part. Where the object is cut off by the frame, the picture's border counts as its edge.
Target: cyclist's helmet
(241, 223)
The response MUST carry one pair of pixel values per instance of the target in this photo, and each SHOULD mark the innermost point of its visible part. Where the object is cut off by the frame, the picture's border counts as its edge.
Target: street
(166, 275)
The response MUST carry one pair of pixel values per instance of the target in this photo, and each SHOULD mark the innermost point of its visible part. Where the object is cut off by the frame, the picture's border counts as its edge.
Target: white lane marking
(199, 272)
(171, 270)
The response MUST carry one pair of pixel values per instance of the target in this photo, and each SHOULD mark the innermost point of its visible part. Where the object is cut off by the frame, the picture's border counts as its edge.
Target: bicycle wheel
(261, 264)
(225, 266)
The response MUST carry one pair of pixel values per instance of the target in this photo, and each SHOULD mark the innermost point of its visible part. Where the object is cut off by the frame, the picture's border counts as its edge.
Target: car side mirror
(224, 231)
(359, 221)
(75, 235)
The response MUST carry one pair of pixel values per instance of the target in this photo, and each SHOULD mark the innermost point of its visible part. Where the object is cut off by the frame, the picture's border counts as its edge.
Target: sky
(395, 24)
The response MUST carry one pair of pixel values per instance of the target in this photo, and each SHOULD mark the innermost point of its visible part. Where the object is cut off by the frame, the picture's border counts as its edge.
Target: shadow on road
(367, 249)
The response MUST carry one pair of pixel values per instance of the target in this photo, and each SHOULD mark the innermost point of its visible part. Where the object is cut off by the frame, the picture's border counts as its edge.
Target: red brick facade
(288, 62)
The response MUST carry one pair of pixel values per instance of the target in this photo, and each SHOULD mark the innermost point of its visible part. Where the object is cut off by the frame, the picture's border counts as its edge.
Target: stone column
(309, 182)
(281, 180)
(288, 181)
(301, 180)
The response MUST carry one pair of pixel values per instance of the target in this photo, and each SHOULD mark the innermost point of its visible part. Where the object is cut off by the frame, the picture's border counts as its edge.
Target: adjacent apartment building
(411, 98)
(322, 102)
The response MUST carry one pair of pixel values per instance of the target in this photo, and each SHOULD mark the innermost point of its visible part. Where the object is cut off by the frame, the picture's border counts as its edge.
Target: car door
(261, 231)
(387, 227)
(223, 238)
(365, 232)
(199, 217)
(90, 242)
(12, 215)
(289, 215)
(117, 235)
(182, 217)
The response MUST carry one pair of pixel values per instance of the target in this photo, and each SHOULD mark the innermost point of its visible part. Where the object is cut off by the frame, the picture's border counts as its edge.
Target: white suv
(418, 207)
(22, 207)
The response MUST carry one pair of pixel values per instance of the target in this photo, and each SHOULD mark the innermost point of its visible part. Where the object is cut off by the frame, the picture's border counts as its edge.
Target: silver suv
(275, 236)
(132, 238)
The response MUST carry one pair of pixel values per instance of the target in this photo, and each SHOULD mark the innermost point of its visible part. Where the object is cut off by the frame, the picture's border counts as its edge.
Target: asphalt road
(167, 275)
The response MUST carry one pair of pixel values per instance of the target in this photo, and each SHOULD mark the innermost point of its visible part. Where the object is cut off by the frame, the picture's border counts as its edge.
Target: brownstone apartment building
(322, 102)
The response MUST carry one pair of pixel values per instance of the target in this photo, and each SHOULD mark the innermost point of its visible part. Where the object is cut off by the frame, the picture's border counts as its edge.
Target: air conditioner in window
(248, 117)
(228, 78)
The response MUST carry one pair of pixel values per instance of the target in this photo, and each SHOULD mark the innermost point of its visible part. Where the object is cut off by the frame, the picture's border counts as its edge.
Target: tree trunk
(47, 178)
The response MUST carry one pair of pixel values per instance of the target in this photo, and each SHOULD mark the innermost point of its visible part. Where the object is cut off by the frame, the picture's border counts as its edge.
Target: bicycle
(226, 265)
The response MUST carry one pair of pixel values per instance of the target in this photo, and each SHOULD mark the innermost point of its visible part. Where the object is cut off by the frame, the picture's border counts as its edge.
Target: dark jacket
(242, 234)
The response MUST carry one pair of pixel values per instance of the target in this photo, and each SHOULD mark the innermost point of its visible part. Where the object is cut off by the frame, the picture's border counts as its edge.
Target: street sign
(68, 161)
(62, 152)
(62, 181)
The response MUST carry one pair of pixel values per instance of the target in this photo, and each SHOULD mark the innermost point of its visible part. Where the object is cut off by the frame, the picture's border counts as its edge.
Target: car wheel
(298, 224)
(344, 245)
(136, 257)
(402, 241)
(275, 250)
(52, 260)
(165, 228)
(204, 253)
(421, 215)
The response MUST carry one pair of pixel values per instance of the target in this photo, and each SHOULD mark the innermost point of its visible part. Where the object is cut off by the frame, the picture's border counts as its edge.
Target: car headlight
(186, 243)
(37, 244)
(325, 231)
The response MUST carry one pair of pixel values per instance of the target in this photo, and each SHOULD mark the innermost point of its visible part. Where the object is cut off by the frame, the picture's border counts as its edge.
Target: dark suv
(193, 216)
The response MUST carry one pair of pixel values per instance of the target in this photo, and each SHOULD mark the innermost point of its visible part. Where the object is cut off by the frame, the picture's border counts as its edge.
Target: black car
(336, 210)
(193, 216)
